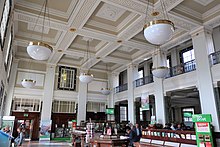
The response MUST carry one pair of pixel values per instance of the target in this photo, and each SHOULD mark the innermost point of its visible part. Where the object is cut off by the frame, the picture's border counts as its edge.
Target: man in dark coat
(138, 132)
(131, 135)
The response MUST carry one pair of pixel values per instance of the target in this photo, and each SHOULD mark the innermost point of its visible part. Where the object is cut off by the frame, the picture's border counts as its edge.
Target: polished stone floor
(45, 144)
(60, 144)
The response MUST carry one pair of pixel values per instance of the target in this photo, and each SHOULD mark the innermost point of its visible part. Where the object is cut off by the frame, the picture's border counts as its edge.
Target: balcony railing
(214, 58)
(143, 81)
(182, 68)
(121, 88)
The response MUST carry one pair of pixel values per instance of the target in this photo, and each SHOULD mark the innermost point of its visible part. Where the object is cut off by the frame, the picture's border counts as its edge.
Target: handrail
(143, 81)
(121, 88)
(182, 68)
(214, 58)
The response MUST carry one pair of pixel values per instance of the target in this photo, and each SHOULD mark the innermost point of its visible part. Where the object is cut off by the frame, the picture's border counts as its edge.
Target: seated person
(131, 135)
(179, 127)
(167, 126)
(7, 130)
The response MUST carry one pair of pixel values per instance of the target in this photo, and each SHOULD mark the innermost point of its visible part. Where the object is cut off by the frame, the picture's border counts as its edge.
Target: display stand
(203, 130)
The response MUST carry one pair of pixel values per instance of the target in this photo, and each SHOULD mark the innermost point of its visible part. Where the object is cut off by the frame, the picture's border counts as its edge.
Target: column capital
(202, 29)
(132, 65)
(115, 73)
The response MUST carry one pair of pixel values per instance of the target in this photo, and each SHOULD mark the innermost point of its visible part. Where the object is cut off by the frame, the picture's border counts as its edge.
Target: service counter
(109, 142)
(166, 137)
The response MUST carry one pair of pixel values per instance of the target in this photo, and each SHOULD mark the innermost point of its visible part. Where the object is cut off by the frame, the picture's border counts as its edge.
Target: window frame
(9, 50)
(182, 52)
(60, 76)
(2, 38)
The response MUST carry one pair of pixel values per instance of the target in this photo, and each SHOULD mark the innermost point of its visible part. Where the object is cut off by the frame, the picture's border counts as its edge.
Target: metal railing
(214, 58)
(182, 68)
(121, 88)
(143, 81)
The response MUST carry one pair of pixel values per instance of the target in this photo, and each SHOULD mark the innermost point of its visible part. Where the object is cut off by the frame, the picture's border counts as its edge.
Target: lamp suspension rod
(39, 16)
(148, 2)
(44, 16)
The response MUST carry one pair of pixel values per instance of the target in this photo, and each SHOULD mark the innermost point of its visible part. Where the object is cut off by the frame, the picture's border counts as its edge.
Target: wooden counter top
(111, 142)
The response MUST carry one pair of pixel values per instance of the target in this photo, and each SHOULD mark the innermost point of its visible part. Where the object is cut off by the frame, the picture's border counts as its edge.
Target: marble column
(159, 100)
(132, 74)
(203, 45)
(82, 100)
(48, 92)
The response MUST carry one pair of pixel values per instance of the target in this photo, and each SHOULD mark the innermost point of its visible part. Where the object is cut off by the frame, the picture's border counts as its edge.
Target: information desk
(181, 137)
(113, 142)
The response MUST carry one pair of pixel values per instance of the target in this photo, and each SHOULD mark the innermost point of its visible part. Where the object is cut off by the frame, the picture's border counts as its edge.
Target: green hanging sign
(202, 118)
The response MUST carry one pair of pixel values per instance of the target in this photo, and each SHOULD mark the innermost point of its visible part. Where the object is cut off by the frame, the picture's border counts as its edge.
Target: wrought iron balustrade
(214, 58)
(143, 81)
(182, 68)
(121, 88)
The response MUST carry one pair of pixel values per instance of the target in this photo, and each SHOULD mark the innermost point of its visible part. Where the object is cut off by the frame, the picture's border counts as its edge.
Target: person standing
(18, 141)
(138, 132)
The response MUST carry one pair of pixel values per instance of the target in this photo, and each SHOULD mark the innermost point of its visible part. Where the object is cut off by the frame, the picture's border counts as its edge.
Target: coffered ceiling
(115, 28)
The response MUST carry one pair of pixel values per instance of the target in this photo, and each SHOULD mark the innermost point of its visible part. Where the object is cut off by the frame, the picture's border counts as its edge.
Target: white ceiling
(105, 22)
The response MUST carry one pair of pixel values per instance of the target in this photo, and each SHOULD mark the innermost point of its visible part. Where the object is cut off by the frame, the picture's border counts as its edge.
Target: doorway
(30, 121)
(27, 125)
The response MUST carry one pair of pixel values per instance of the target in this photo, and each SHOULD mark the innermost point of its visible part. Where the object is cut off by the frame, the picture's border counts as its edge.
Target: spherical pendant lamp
(86, 78)
(39, 50)
(160, 69)
(158, 29)
(28, 83)
(106, 91)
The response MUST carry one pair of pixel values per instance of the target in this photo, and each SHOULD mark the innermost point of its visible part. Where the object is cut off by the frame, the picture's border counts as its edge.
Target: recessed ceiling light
(72, 29)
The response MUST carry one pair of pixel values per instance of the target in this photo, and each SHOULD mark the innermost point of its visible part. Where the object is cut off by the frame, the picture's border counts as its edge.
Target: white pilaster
(115, 79)
(11, 87)
(201, 43)
(132, 72)
(48, 92)
(82, 100)
(174, 57)
(111, 95)
(159, 100)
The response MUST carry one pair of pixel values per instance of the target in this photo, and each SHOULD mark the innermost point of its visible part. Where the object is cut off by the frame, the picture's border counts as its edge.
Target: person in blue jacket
(18, 141)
